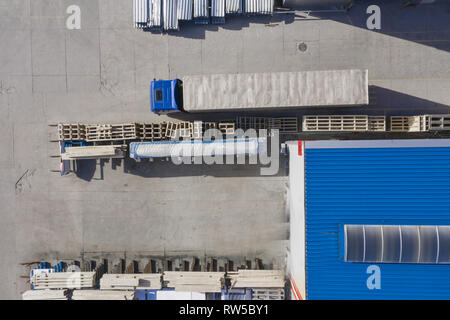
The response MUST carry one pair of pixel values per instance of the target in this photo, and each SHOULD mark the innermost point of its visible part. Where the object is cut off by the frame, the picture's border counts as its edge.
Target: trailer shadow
(165, 168)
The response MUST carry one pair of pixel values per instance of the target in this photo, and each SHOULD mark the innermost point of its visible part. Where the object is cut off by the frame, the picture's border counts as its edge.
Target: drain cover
(302, 47)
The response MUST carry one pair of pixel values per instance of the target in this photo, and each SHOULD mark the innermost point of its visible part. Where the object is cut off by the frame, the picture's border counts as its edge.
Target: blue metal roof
(397, 186)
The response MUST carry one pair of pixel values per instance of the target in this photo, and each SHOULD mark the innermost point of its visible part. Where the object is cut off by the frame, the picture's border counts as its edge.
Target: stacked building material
(102, 295)
(170, 21)
(61, 280)
(201, 11)
(141, 10)
(184, 9)
(256, 279)
(139, 281)
(195, 281)
(94, 152)
(154, 19)
(218, 11)
(45, 295)
(258, 6)
(193, 148)
(233, 6)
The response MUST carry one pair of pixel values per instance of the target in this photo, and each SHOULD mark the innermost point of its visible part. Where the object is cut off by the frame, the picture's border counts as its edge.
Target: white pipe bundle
(250, 146)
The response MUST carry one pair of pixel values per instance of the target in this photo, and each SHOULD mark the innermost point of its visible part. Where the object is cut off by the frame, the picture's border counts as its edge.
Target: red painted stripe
(297, 292)
(300, 147)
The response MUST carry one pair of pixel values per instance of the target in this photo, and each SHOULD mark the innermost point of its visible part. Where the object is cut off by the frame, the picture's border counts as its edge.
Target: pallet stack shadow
(166, 14)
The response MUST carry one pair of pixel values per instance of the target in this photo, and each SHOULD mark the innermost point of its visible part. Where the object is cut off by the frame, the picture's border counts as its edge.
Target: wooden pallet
(71, 132)
(377, 123)
(197, 130)
(111, 132)
(335, 123)
(284, 125)
(151, 131)
(410, 123)
(439, 122)
(268, 294)
(227, 128)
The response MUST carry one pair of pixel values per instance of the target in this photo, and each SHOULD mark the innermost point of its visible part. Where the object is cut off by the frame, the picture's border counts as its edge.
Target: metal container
(170, 15)
(185, 9)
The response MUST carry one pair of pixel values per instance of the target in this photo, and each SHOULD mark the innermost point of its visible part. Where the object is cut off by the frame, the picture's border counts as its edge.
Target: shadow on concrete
(162, 168)
(426, 24)
(85, 169)
(188, 29)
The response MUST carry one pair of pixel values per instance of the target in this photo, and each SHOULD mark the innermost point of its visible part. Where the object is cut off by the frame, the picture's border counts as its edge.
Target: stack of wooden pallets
(45, 295)
(410, 123)
(195, 281)
(102, 295)
(256, 279)
(72, 132)
(131, 281)
(268, 294)
(227, 127)
(60, 280)
(111, 132)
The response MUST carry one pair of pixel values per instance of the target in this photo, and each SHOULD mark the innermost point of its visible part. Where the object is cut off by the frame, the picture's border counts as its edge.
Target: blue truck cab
(166, 96)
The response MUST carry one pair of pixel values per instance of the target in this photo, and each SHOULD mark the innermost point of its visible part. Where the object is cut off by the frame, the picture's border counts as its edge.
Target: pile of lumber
(131, 281)
(257, 279)
(195, 281)
(93, 152)
(102, 295)
(45, 294)
(61, 280)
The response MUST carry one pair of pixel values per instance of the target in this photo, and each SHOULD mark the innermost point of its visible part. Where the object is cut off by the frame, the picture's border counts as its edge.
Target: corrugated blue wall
(373, 186)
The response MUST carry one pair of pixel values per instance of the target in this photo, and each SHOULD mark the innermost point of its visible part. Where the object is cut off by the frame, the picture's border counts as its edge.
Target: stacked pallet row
(284, 125)
(131, 281)
(351, 123)
(194, 281)
(63, 280)
(140, 131)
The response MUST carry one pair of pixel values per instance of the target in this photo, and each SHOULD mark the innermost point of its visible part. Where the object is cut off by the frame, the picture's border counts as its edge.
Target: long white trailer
(260, 91)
